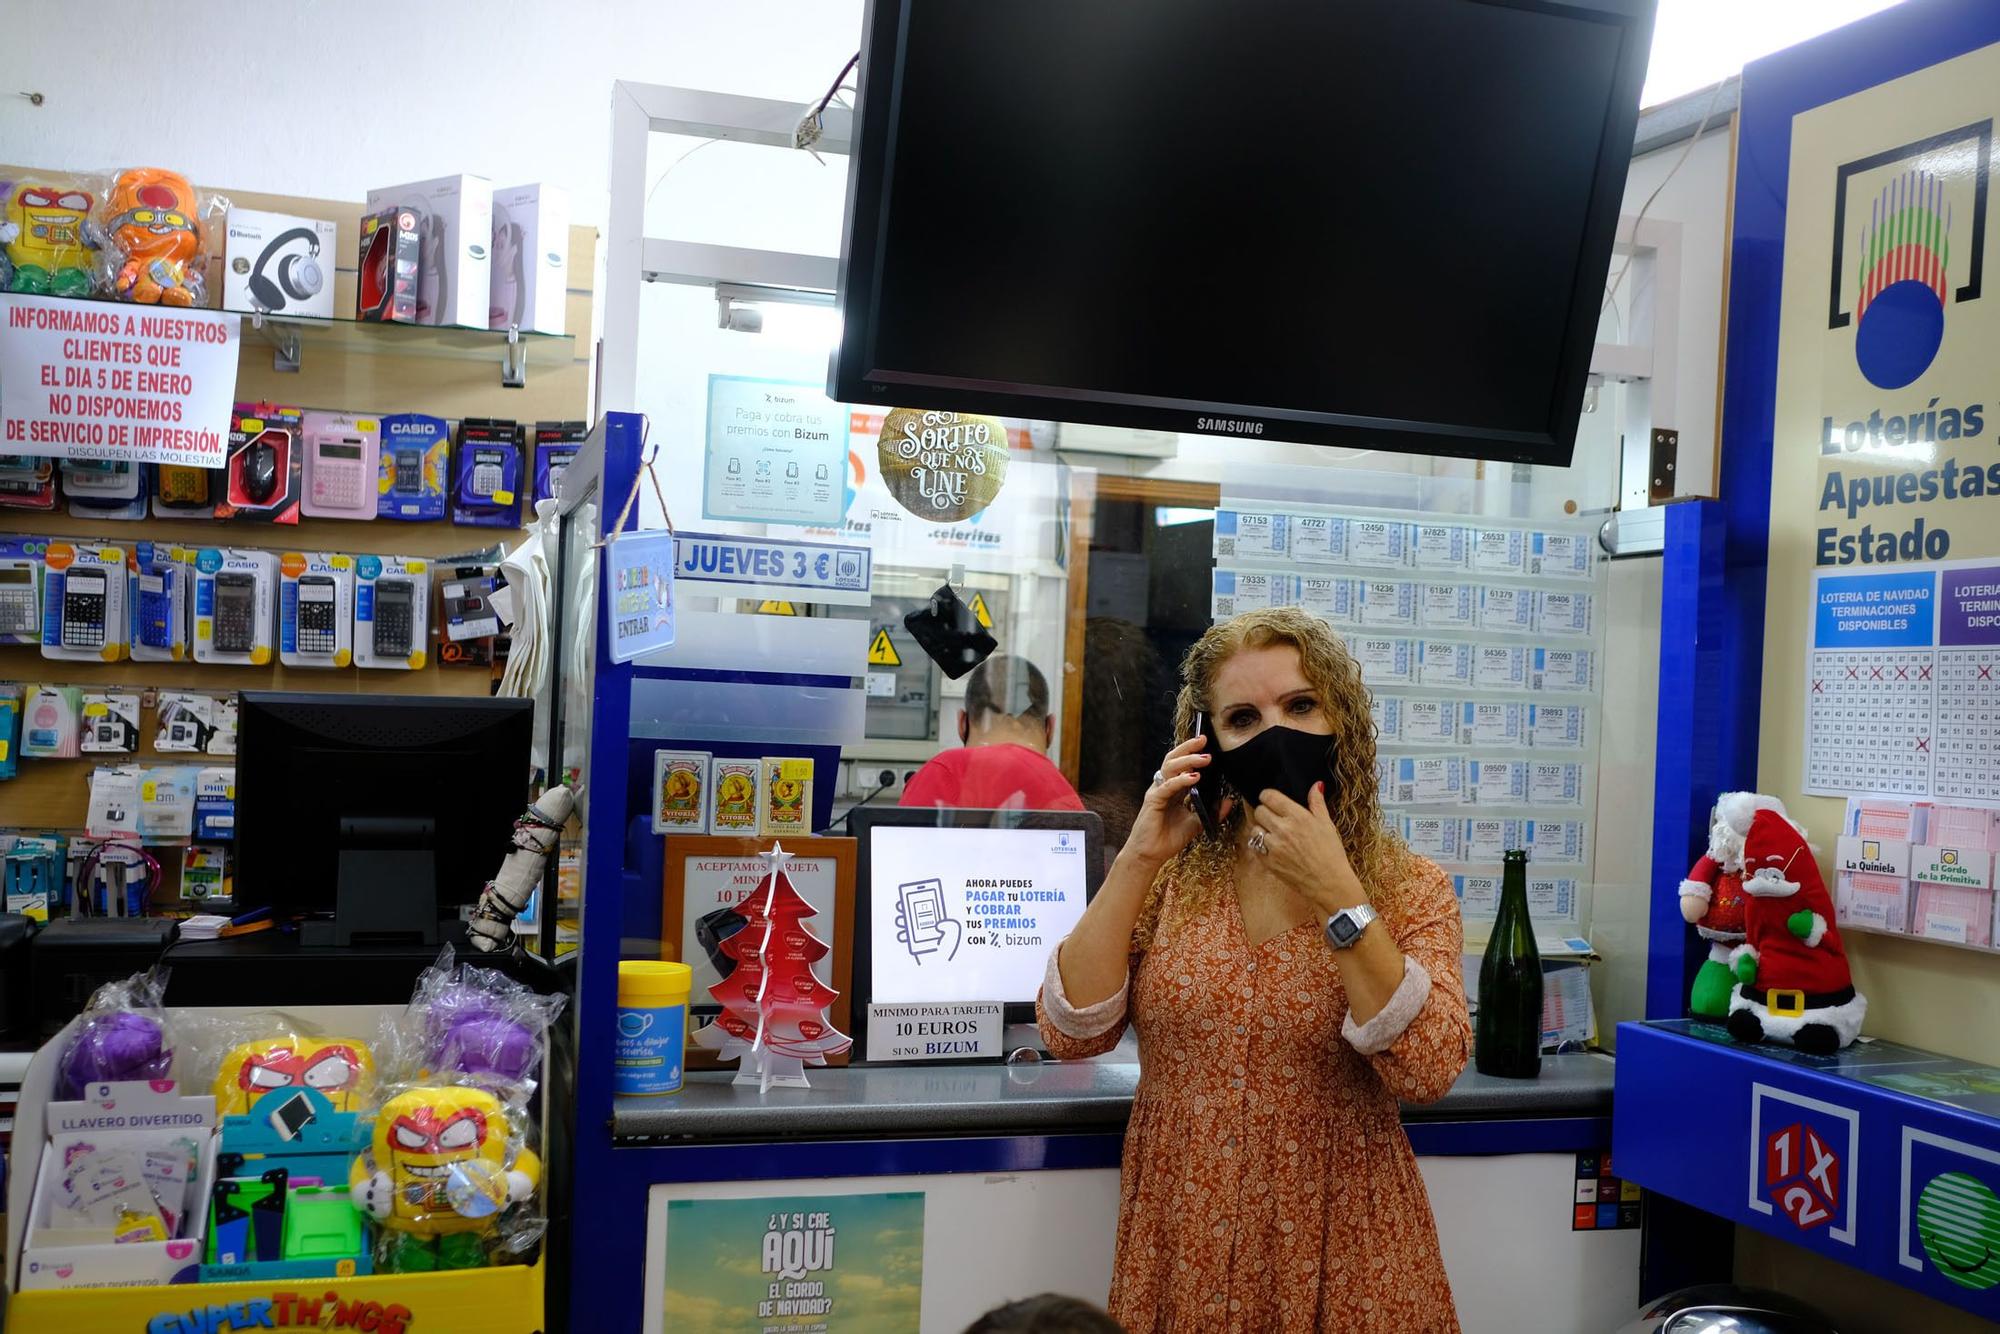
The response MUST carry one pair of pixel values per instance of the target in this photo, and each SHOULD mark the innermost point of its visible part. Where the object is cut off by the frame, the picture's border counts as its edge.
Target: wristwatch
(1345, 927)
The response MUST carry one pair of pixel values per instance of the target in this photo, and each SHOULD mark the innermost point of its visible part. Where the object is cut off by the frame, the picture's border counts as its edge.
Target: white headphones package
(276, 264)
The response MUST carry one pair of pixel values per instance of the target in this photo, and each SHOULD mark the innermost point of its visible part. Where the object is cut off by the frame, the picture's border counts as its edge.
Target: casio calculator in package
(413, 467)
(341, 465)
(181, 492)
(409, 475)
(20, 600)
(317, 631)
(395, 614)
(487, 474)
(235, 614)
(85, 597)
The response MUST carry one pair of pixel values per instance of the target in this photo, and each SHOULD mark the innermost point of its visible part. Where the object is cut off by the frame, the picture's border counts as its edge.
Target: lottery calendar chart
(1903, 683)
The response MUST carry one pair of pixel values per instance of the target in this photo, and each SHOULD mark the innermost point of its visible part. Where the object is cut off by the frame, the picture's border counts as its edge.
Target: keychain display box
(161, 576)
(21, 589)
(261, 475)
(392, 598)
(341, 455)
(235, 592)
(71, 1248)
(83, 602)
(316, 609)
(414, 460)
(487, 476)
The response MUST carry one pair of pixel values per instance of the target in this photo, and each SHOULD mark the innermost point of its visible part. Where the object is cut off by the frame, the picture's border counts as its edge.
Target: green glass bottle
(1508, 1037)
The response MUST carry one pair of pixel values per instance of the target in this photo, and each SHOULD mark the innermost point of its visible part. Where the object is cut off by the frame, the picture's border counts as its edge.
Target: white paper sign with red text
(105, 380)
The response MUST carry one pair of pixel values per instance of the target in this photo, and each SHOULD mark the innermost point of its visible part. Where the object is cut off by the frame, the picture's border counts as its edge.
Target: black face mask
(1278, 757)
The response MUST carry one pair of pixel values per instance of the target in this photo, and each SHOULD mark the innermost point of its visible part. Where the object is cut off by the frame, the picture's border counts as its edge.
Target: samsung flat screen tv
(1384, 223)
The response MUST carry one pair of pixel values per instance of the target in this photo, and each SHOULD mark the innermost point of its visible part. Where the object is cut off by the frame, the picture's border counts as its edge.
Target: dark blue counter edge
(767, 1161)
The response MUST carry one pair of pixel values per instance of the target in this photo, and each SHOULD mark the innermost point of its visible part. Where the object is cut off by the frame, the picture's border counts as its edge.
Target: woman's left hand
(1304, 849)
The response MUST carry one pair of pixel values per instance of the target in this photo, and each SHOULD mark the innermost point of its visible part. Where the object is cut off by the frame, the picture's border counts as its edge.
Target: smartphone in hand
(1206, 798)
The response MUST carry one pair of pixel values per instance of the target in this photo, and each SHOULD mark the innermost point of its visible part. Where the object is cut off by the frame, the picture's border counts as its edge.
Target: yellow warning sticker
(770, 608)
(881, 653)
(979, 610)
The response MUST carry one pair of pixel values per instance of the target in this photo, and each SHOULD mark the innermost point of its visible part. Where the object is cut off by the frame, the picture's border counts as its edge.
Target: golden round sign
(942, 466)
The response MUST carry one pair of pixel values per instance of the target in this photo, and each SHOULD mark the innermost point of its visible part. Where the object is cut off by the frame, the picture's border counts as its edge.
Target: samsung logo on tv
(1234, 425)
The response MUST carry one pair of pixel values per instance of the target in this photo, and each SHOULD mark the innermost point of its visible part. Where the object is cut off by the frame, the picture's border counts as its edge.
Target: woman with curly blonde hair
(1292, 974)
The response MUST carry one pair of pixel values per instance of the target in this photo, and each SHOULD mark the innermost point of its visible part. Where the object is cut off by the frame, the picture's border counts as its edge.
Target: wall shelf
(292, 339)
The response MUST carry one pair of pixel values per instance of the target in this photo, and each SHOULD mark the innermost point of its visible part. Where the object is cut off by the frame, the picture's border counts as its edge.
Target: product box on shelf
(260, 478)
(555, 445)
(392, 598)
(784, 806)
(235, 594)
(51, 722)
(92, 1222)
(160, 578)
(83, 602)
(680, 791)
(530, 260)
(109, 722)
(340, 452)
(277, 264)
(468, 621)
(316, 609)
(214, 804)
(735, 795)
(389, 267)
(21, 589)
(415, 461)
(487, 474)
(454, 219)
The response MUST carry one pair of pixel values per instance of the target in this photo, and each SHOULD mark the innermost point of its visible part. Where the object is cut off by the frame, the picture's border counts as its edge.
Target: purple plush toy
(111, 1045)
(479, 1038)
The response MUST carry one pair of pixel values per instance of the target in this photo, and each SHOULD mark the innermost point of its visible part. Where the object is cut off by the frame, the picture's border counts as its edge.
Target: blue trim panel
(1470, 1139)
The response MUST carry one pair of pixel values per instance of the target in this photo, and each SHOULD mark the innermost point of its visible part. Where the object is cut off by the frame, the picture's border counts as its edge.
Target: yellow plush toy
(444, 1163)
(340, 1068)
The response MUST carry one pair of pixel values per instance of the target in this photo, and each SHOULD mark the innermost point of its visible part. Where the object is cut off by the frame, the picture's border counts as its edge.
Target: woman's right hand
(1165, 823)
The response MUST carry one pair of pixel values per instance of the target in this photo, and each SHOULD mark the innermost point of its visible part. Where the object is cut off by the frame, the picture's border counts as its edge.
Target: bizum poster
(796, 1264)
(1882, 669)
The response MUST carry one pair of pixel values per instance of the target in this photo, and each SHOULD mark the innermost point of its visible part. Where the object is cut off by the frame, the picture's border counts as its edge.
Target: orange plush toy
(155, 239)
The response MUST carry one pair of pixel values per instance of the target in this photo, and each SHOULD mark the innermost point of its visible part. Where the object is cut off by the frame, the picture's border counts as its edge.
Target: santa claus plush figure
(1793, 984)
(1712, 900)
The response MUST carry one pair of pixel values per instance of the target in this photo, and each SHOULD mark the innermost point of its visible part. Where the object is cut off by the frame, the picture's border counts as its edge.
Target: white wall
(1698, 198)
(304, 97)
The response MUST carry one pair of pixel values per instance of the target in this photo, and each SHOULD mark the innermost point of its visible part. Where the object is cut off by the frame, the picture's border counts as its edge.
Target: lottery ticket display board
(1902, 691)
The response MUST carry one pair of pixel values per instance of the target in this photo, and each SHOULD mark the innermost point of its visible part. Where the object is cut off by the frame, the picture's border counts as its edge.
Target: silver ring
(1159, 777)
(1257, 844)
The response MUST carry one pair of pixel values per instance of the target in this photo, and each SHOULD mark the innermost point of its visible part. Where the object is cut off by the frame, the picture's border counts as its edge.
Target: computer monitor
(965, 905)
(374, 817)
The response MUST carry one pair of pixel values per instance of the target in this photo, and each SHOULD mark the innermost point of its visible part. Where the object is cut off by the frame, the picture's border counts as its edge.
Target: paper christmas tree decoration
(773, 1006)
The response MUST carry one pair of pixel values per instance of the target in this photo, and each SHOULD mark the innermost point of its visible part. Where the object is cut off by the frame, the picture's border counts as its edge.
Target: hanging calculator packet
(104, 488)
(392, 598)
(160, 579)
(21, 589)
(261, 476)
(414, 459)
(556, 445)
(341, 453)
(235, 592)
(27, 482)
(181, 492)
(487, 474)
(316, 609)
(83, 602)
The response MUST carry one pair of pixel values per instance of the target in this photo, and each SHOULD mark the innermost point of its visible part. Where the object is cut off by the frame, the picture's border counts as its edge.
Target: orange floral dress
(1268, 1184)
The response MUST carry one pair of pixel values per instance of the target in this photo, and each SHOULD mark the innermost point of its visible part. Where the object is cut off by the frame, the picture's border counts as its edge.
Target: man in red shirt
(1004, 764)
